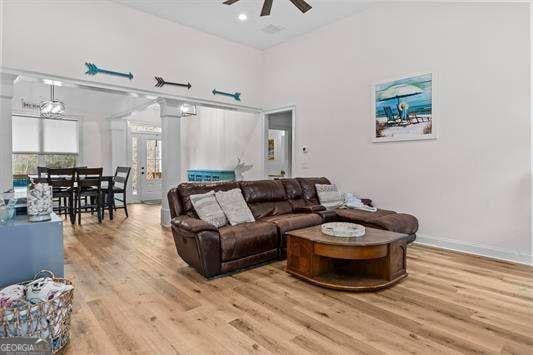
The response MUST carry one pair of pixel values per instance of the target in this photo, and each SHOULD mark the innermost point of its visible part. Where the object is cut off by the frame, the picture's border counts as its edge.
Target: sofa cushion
(185, 190)
(399, 223)
(329, 196)
(208, 209)
(293, 190)
(384, 219)
(361, 216)
(234, 206)
(266, 198)
(309, 189)
(263, 190)
(247, 239)
(289, 222)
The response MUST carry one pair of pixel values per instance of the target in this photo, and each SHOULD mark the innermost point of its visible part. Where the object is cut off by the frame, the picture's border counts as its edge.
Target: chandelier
(52, 108)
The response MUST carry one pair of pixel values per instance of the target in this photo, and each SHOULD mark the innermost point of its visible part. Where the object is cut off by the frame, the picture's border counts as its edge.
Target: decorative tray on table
(343, 230)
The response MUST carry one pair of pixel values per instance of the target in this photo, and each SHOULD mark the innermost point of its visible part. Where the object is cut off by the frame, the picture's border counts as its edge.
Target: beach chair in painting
(413, 118)
(391, 119)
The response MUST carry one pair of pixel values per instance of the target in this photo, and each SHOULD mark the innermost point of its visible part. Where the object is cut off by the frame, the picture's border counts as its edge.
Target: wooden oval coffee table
(372, 262)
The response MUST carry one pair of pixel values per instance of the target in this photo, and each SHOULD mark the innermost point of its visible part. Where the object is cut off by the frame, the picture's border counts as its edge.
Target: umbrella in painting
(399, 91)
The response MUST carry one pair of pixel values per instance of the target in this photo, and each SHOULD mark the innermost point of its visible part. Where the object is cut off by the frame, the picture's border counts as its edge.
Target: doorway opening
(146, 162)
(145, 154)
(279, 138)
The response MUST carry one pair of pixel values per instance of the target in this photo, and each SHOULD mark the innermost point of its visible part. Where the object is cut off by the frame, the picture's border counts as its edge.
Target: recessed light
(243, 17)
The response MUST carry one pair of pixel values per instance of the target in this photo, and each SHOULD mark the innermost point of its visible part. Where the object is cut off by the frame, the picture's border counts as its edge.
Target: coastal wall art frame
(403, 108)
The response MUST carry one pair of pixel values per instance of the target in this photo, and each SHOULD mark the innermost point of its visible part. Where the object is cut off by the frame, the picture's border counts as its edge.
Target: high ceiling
(286, 21)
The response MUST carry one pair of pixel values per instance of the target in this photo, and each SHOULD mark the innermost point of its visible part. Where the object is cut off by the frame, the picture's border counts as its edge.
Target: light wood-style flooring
(135, 295)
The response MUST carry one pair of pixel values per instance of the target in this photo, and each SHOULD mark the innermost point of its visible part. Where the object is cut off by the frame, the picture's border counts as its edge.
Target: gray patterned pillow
(233, 204)
(329, 196)
(208, 209)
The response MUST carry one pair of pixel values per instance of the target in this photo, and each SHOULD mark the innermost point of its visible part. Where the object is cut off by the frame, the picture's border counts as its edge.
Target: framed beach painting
(402, 109)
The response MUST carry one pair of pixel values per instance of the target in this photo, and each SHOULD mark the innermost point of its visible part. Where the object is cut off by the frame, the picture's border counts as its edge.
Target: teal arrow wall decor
(236, 96)
(92, 69)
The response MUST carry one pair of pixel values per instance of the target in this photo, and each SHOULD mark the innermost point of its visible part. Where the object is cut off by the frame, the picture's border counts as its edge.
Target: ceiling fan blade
(229, 2)
(267, 6)
(302, 5)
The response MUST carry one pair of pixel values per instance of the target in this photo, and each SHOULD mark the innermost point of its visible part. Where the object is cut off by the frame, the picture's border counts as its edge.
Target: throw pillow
(329, 196)
(208, 209)
(233, 204)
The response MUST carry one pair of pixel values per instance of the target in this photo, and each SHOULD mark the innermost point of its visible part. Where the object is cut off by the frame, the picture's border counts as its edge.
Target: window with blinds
(43, 142)
(45, 136)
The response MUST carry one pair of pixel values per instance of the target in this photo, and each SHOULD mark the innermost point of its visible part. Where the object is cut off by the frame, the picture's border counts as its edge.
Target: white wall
(215, 138)
(470, 188)
(58, 37)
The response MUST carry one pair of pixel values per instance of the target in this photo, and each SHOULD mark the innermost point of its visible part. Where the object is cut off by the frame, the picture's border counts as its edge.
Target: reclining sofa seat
(278, 207)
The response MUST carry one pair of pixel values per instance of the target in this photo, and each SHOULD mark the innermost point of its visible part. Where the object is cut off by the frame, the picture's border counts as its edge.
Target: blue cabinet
(26, 248)
(210, 175)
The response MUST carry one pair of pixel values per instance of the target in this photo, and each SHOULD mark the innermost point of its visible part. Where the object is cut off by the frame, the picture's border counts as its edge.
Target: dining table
(108, 182)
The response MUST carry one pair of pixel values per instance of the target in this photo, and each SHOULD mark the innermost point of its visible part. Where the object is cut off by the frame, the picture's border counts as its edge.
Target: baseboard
(476, 249)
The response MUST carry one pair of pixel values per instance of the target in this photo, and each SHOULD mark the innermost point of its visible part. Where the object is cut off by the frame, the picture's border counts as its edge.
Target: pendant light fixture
(187, 110)
(52, 108)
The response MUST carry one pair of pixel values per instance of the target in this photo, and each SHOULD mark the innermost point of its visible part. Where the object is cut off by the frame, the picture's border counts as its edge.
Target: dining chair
(42, 172)
(120, 186)
(62, 182)
(89, 185)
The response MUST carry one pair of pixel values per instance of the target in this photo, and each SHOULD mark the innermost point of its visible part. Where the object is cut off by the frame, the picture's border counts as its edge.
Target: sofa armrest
(198, 244)
(309, 209)
(192, 225)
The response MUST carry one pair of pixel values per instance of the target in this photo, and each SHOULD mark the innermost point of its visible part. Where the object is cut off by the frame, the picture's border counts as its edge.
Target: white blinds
(26, 134)
(36, 135)
(60, 136)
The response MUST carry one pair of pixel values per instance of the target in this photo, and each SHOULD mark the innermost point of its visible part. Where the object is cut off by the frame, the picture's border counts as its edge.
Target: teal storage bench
(210, 175)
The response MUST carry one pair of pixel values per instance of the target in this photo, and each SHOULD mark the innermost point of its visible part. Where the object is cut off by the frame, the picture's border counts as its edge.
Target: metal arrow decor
(236, 96)
(161, 82)
(92, 69)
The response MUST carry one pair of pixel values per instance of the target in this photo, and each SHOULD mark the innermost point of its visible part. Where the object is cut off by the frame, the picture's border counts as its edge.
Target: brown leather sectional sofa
(278, 206)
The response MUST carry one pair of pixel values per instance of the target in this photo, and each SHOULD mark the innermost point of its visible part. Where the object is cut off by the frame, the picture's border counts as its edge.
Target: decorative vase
(39, 202)
(7, 210)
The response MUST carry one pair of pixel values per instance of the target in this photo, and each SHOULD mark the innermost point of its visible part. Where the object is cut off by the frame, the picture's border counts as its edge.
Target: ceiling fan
(267, 6)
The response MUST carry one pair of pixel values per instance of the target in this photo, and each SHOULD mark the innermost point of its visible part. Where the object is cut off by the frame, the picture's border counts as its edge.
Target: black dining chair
(89, 186)
(62, 182)
(120, 186)
(42, 172)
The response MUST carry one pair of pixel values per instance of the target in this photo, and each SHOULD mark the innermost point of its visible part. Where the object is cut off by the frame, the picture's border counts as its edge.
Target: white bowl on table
(343, 230)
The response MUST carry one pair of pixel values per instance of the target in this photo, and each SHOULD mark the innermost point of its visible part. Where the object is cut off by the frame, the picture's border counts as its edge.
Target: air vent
(271, 29)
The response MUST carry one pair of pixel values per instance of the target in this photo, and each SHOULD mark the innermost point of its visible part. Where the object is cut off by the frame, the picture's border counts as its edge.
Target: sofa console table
(26, 248)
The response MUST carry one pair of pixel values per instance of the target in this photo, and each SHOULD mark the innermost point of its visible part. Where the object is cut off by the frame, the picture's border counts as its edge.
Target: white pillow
(208, 209)
(329, 196)
(233, 204)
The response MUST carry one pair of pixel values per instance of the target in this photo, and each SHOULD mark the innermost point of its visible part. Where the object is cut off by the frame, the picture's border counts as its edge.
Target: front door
(149, 167)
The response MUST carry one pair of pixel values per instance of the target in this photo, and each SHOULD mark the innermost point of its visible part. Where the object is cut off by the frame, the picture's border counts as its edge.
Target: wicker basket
(48, 320)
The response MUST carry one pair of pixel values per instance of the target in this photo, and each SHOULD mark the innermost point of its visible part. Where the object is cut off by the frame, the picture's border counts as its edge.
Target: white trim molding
(476, 249)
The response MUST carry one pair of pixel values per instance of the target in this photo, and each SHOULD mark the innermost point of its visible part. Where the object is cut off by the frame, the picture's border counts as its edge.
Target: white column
(171, 153)
(6, 147)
